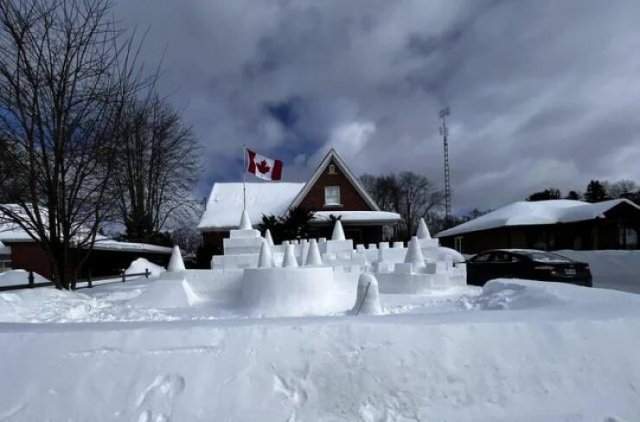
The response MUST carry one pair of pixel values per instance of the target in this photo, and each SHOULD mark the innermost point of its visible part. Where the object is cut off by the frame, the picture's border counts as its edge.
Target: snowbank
(19, 277)
(498, 359)
(141, 264)
(49, 305)
(618, 270)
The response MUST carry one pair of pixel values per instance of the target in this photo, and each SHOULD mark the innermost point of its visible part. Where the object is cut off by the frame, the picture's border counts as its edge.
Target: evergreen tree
(547, 194)
(595, 192)
(573, 195)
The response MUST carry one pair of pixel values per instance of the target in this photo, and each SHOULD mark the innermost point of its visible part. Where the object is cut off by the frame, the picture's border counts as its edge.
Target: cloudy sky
(542, 93)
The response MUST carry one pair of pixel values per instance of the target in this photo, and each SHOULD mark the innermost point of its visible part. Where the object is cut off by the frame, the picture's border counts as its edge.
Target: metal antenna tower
(444, 131)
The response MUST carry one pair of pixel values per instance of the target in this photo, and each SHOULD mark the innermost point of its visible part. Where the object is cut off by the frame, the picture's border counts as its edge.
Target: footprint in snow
(156, 402)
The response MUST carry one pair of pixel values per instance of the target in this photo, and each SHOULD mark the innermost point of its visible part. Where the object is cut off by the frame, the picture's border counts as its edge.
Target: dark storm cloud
(542, 93)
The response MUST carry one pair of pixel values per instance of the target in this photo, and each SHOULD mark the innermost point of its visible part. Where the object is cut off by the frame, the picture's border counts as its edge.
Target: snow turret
(338, 233)
(265, 259)
(414, 254)
(368, 300)
(175, 262)
(268, 238)
(423, 230)
(290, 257)
(245, 221)
(313, 255)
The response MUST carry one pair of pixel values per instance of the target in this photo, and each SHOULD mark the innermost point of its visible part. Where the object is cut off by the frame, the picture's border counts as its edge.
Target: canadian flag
(263, 167)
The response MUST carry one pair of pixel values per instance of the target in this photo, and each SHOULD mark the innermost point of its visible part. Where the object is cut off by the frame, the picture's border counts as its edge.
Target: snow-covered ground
(159, 350)
(19, 277)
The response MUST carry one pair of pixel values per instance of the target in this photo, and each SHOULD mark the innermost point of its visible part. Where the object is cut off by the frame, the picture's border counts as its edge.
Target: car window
(503, 257)
(483, 257)
(548, 257)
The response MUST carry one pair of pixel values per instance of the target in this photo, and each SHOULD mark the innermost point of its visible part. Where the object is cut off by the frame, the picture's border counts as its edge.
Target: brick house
(332, 190)
(550, 225)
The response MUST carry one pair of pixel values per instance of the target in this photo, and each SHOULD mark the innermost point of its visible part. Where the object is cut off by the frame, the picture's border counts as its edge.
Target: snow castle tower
(175, 262)
(242, 248)
(368, 297)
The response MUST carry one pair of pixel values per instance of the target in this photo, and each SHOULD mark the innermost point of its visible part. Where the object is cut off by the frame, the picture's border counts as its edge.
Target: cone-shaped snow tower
(368, 300)
(338, 233)
(245, 221)
(414, 253)
(290, 257)
(423, 230)
(175, 262)
(268, 238)
(265, 260)
(313, 255)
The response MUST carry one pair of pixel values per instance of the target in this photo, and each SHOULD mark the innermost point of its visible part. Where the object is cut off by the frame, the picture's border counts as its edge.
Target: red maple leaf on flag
(263, 167)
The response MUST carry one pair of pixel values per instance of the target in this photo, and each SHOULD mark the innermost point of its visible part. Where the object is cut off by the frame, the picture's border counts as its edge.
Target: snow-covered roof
(4, 250)
(115, 245)
(225, 203)
(11, 232)
(527, 213)
(372, 217)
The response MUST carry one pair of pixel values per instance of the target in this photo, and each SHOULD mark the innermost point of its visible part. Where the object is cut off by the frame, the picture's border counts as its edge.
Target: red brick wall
(349, 196)
(30, 257)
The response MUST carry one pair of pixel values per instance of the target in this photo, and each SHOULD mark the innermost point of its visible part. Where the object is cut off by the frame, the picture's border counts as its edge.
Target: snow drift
(518, 350)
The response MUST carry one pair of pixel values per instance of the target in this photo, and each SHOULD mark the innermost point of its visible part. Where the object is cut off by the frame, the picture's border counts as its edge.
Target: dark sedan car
(527, 264)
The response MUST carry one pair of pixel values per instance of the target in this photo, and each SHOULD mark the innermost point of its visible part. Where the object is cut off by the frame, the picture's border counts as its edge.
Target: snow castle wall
(297, 291)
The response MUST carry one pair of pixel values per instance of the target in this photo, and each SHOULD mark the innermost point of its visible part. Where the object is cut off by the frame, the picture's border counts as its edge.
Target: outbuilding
(108, 257)
(550, 225)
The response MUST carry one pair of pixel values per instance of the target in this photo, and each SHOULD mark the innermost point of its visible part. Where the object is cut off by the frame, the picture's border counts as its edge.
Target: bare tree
(65, 73)
(157, 167)
(418, 199)
(411, 195)
(621, 188)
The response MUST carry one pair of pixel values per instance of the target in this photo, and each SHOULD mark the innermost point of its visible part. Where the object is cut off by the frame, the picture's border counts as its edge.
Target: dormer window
(332, 169)
(332, 196)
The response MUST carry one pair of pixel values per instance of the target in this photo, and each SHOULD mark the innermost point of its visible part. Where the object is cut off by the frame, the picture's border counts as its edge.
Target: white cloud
(541, 92)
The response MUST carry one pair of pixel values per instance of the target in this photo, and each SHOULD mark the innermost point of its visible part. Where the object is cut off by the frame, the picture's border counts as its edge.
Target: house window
(627, 237)
(332, 195)
(457, 241)
(332, 169)
(5, 262)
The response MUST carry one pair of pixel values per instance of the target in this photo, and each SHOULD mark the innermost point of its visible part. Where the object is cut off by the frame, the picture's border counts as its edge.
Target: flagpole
(244, 177)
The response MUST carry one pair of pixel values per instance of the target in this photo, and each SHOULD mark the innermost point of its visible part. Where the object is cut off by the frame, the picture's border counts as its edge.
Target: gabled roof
(225, 203)
(527, 213)
(333, 155)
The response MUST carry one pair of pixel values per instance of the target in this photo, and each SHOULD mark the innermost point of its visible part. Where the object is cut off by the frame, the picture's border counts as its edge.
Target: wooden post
(31, 279)
(89, 282)
(147, 273)
(123, 276)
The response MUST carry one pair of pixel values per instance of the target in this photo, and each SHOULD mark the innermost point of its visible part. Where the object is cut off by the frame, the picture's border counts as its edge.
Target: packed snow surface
(525, 213)
(514, 350)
